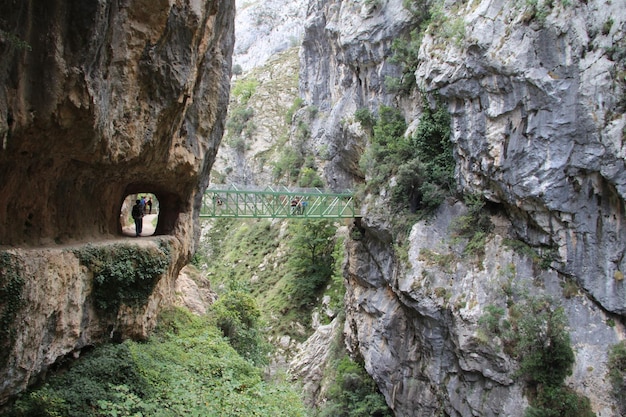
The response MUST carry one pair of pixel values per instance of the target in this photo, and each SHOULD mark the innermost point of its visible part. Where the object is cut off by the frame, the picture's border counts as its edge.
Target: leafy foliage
(269, 267)
(244, 89)
(310, 261)
(559, 401)
(365, 118)
(237, 315)
(354, 393)
(14, 41)
(423, 164)
(123, 274)
(617, 373)
(297, 104)
(493, 321)
(309, 178)
(473, 226)
(239, 122)
(543, 343)
(186, 368)
(535, 333)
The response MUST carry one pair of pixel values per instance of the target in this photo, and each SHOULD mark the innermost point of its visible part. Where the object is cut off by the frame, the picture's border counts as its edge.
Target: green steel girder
(277, 202)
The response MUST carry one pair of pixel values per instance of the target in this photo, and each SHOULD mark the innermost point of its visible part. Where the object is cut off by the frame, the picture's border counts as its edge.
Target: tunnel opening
(139, 214)
(160, 211)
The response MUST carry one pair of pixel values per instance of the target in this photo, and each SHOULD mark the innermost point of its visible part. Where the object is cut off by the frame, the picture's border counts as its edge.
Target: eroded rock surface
(99, 100)
(536, 99)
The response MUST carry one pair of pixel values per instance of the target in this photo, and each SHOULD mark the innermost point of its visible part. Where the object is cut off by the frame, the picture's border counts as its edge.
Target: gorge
(107, 99)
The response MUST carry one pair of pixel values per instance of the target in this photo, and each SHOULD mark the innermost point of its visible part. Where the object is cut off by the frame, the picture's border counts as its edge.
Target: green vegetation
(237, 315)
(239, 122)
(297, 104)
(473, 226)
(243, 90)
(428, 17)
(294, 165)
(11, 289)
(536, 335)
(617, 373)
(423, 164)
(406, 50)
(310, 261)
(542, 256)
(14, 41)
(493, 322)
(353, 393)
(185, 369)
(291, 270)
(123, 274)
(240, 116)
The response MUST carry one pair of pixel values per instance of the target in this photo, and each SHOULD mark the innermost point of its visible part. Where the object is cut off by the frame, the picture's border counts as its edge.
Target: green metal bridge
(277, 202)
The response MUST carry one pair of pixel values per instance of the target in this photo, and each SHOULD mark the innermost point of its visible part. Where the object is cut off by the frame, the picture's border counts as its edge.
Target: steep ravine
(535, 92)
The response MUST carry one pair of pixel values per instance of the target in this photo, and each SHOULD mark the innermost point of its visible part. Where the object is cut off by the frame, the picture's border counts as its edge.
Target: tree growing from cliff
(423, 165)
(543, 347)
(310, 260)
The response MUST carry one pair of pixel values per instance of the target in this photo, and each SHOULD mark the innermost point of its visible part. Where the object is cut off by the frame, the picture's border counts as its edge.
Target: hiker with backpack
(137, 213)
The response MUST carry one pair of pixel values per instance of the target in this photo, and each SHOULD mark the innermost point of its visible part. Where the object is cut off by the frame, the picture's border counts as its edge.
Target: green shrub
(542, 343)
(297, 104)
(124, 274)
(473, 226)
(244, 89)
(237, 315)
(353, 393)
(559, 401)
(239, 121)
(76, 391)
(538, 338)
(14, 41)
(492, 320)
(389, 148)
(288, 165)
(617, 373)
(309, 178)
(310, 260)
(185, 369)
(365, 118)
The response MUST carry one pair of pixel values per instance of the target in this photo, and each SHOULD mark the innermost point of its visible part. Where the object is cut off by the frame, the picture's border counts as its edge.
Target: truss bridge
(277, 202)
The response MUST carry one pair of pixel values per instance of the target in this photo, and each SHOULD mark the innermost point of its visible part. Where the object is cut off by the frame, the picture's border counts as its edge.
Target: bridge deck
(277, 202)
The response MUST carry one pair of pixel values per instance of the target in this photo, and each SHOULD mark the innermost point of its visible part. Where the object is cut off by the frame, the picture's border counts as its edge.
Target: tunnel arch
(167, 204)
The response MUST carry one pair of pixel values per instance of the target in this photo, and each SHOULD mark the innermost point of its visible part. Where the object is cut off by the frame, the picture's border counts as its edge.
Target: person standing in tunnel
(137, 214)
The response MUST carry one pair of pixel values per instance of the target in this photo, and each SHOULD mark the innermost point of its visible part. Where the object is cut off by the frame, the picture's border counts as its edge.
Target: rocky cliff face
(536, 97)
(99, 100)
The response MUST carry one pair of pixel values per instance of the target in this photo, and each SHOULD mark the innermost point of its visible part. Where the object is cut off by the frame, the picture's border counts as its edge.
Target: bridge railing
(277, 202)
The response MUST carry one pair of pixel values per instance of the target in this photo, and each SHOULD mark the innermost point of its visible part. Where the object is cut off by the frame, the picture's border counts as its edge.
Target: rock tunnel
(90, 114)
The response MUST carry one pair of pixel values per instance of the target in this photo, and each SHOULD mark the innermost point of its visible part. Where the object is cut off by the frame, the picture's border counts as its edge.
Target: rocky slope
(99, 100)
(264, 29)
(535, 91)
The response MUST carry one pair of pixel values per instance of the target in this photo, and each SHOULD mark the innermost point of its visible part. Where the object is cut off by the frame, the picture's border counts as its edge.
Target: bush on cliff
(185, 369)
(124, 274)
(423, 165)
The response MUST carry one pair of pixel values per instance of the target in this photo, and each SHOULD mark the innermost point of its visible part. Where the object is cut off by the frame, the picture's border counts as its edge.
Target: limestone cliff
(535, 91)
(99, 100)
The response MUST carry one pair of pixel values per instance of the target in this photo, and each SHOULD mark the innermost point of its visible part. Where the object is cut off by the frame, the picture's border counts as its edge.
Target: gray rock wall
(536, 98)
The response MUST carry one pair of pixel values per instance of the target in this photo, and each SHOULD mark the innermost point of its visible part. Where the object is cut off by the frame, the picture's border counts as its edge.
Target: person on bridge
(137, 214)
(149, 203)
(294, 205)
